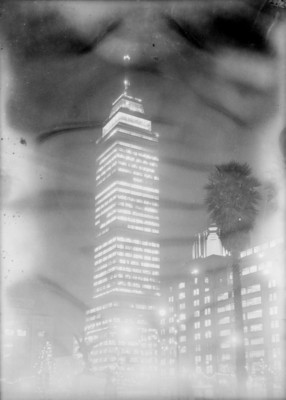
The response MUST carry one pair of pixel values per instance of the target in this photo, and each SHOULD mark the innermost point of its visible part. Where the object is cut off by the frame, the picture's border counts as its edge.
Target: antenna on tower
(126, 59)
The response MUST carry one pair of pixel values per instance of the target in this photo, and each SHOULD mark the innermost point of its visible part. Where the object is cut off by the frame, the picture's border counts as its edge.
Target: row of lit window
(118, 158)
(140, 271)
(137, 176)
(207, 323)
(138, 200)
(126, 262)
(142, 229)
(136, 149)
(130, 163)
(128, 240)
(125, 103)
(106, 249)
(123, 276)
(107, 204)
(105, 258)
(127, 165)
(207, 300)
(102, 307)
(121, 117)
(129, 284)
(122, 191)
(119, 130)
(227, 307)
(120, 187)
(137, 248)
(116, 215)
(133, 165)
(125, 211)
(134, 255)
(104, 175)
(141, 263)
(116, 289)
(207, 335)
(207, 311)
(139, 167)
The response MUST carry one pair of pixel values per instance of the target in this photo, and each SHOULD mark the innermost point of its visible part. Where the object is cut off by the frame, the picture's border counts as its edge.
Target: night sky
(211, 92)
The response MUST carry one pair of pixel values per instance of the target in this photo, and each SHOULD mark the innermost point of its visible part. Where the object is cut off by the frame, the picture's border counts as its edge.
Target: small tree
(44, 368)
(85, 348)
(232, 203)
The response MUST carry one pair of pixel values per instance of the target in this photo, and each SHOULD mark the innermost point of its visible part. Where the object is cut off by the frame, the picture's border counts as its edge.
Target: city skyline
(211, 78)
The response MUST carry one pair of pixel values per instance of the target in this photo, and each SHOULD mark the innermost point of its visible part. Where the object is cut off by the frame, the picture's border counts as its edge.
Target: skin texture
(210, 77)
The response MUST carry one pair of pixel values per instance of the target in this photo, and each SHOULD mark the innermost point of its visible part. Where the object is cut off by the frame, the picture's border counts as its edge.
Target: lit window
(252, 289)
(182, 285)
(251, 302)
(182, 295)
(256, 328)
(254, 314)
(196, 303)
(222, 296)
(208, 334)
(196, 292)
(273, 310)
(207, 299)
(208, 322)
(197, 325)
(224, 320)
(256, 354)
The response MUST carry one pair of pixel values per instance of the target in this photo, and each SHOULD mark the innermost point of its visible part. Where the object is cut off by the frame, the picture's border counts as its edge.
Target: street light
(195, 271)
(162, 312)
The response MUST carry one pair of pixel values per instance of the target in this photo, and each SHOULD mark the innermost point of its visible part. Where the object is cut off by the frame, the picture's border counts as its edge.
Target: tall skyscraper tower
(122, 323)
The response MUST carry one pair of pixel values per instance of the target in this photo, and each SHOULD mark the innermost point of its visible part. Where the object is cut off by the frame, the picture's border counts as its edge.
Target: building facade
(208, 243)
(127, 255)
(199, 329)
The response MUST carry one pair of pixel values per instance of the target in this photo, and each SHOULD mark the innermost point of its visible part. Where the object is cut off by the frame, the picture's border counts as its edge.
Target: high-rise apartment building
(199, 322)
(122, 324)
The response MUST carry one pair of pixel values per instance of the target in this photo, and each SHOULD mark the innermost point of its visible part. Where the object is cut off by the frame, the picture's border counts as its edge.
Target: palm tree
(232, 203)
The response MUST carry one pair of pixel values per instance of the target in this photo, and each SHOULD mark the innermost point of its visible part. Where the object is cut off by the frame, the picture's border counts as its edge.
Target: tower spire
(126, 59)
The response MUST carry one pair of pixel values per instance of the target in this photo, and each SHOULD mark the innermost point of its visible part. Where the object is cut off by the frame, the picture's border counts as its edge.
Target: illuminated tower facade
(122, 323)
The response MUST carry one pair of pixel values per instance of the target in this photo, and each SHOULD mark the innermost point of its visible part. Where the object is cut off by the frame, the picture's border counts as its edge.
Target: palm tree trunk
(240, 359)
